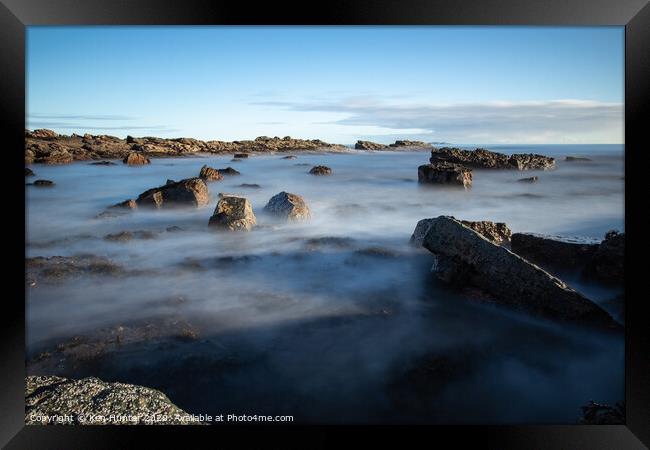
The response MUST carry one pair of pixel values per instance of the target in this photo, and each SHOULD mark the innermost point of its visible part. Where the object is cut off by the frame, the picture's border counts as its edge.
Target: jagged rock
(368, 145)
(288, 206)
(406, 143)
(528, 180)
(29, 172)
(43, 183)
(320, 170)
(90, 401)
(554, 252)
(465, 257)
(497, 232)
(576, 159)
(136, 159)
(608, 262)
(233, 213)
(229, 171)
(188, 192)
(485, 159)
(241, 155)
(126, 204)
(443, 173)
(210, 174)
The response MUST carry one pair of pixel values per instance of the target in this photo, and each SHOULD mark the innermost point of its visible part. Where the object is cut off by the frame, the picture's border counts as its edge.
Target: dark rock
(600, 414)
(368, 145)
(125, 236)
(103, 163)
(554, 252)
(407, 143)
(289, 157)
(241, 155)
(28, 172)
(173, 229)
(607, 264)
(329, 241)
(90, 401)
(497, 232)
(57, 268)
(136, 159)
(442, 173)
(288, 206)
(250, 186)
(528, 180)
(576, 159)
(233, 213)
(210, 174)
(170, 181)
(229, 171)
(320, 170)
(485, 159)
(45, 183)
(465, 257)
(188, 192)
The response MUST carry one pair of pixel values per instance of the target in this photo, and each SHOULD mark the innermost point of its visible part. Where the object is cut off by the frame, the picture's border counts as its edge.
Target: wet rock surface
(320, 170)
(189, 192)
(485, 159)
(288, 206)
(463, 256)
(608, 262)
(90, 401)
(233, 213)
(443, 173)
(554, 251)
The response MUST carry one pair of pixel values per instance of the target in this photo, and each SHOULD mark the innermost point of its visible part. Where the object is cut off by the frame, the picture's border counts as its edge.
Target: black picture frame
(15, 15)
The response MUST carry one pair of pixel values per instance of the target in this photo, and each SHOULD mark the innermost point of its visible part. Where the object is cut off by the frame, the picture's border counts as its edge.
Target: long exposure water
(327, 330)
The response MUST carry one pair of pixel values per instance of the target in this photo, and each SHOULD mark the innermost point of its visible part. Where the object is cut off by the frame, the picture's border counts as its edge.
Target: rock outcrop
(136, 159)
(368, 145)
(209, 174)
(288, 206)
(233, 213)
(188, 192)
(320, 170)
(554, 252)
(464, 256)
(444, 173)
(407, 143)
(608, 262)
(485, 159)
(497, 232)
(51, 400)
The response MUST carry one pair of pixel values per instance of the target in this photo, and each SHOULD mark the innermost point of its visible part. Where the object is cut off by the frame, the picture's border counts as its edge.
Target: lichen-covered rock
(465, 257)
(51, 400)
(485, 159)
(188, 192)
(233, 213)
(368, 145)
(288, 206)
(136, 159)
(210, 174)
(442, 173)
(497, 232)
(554, 252)
(320, 170)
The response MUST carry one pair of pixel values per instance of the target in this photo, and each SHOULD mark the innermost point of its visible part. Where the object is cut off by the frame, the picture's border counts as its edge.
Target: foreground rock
(368, 145)
(209, 174)
(442, 173)
(320, 170)
(288, 206)
(90, 401)
(136, 159)
(608, 262)
(497, 232)
(465, 257)
(188, 192)
(554, 251)
(485, 159)
(233, 213)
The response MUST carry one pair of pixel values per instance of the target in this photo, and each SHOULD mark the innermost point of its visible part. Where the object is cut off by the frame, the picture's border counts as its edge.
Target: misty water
(329, 330)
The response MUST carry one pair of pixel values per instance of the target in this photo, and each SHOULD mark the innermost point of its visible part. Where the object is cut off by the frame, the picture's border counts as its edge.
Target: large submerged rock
(465, 257)
(485, 159)
(443, 173)
(233, 213)
(188, 192)
(608, 262)
(51, 400)
(320, 170)
(288, 206)
(561, 252)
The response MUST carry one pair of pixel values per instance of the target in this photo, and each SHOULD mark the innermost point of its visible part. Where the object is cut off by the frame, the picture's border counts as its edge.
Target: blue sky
(454, 84)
